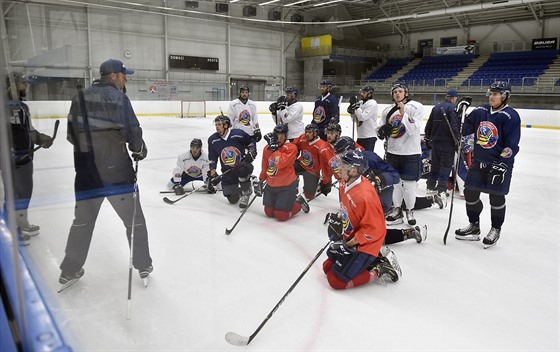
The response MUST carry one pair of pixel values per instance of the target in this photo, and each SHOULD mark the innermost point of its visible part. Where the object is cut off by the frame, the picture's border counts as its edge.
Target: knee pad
(243, 171)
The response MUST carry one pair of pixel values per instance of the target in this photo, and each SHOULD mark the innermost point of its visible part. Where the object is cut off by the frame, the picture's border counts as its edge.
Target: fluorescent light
(326, 3)
(268, 2)
(232, 1)
(297, 2)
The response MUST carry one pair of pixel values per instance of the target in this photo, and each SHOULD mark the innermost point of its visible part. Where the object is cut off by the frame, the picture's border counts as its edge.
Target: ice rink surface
(458, 297)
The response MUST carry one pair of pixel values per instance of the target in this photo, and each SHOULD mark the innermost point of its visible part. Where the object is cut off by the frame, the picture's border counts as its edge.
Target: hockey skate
(441, 200)
(410, 217)
(491, 238)
(394, 216)
(66, 280)
(388, 265)
(469, 233)
(304, 205)
(244, 200)
(431, 191)
(144, 273)
(31, 230)
(418, 233)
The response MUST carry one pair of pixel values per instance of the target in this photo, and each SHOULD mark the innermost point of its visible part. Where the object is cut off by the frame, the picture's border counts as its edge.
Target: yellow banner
(316, 42)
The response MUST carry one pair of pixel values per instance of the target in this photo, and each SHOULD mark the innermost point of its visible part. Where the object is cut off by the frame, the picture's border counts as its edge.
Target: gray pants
(81, 232)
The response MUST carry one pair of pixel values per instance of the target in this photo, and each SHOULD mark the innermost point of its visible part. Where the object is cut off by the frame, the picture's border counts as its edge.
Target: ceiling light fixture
(268, 2)
(326, 3)
(297, 2)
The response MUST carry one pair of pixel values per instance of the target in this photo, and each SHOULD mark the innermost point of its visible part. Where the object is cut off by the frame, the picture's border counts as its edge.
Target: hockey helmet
(367, 88)
(244, 87)
(343, 144)
(280, 128)
(292, 89)
(326, 82)
(500, 86)
(196, 143)
(355, 158)
(399, 84)
(333, 127)
(224, 120)
(312, 127)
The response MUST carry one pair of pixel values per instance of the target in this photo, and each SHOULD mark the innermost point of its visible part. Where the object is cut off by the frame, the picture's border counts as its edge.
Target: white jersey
(293, 117)
(366, 115)
(243, 116)
(405, 135)
(193, 168)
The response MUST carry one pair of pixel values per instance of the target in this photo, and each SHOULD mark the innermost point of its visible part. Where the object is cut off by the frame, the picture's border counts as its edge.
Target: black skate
(394, 216)
(410, 217)
(31, 230)
(304, 205)
(388, 265)
(491, 238)
(469, 233)
(66, 280)
(418, 233)
(144, 273)
(441, 199)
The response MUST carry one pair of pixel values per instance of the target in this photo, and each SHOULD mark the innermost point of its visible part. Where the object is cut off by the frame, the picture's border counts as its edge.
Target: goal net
(193, 108)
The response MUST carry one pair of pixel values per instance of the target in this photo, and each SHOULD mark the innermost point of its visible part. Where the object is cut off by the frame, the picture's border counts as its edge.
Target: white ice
(458, 297)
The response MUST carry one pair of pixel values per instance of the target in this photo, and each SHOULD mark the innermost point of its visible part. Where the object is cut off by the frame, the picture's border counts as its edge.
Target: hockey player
(356, 256)
(243, 114)
(326, 109)
(400, 125)
(313, 161)
(364, 113)
(383, 176)
(442, 134)
(191, 170)
(101, 123)
(280, 198)
(290, 113)
(24, 138)
(494, 131)
(235, 150)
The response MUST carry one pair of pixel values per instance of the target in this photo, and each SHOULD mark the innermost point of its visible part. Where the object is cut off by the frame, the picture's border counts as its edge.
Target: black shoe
(492, 237)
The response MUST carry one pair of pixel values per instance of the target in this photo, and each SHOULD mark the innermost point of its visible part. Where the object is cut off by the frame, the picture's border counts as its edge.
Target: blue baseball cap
(451, 93)
(114, 66)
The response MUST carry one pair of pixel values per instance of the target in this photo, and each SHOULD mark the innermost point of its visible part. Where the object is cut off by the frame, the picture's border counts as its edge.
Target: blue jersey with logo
(496, 134)
(326, 111)
(229, 150)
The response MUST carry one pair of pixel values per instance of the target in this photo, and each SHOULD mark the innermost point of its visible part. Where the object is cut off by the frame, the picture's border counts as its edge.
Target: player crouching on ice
(356, 255)
(280, 198)
(191, 171)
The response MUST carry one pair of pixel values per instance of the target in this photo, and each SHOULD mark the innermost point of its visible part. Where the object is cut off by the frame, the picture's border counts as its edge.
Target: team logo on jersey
(506, 153)
(245, 117)
(335, 163)
(487, 135)
(319, 114)
(272, 170)
(307, 159)
(346, 224)
(230, 156)
(398, 127)
(194, 171)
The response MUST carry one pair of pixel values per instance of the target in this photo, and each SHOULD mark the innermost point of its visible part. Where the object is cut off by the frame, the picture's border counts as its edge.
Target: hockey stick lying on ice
(169, 201)
(238, 340)
(56, 123)
(228, 231)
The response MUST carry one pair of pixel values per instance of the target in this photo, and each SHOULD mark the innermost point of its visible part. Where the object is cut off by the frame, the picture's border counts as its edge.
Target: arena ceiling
(346, 18)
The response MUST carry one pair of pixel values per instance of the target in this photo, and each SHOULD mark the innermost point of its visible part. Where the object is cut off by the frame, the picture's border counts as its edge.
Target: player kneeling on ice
(191, 171)
(236, 151)
(356, 256)
(280, 198)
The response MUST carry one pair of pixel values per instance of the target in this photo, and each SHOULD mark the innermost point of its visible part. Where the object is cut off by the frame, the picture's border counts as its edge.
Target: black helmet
(280, 128)
(312, 127)
(196, 143)
(399, 84)
(326, 82)
(223, 119)
(292, 89)
(366, 88)
(502, 87)
(355, 158)
(244, 87)
(333, 127)
(343, 144)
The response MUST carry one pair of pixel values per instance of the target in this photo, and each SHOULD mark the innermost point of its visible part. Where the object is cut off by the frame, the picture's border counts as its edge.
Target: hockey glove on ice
(334, 229)
(179, 190)
(497, 172)
(341, 248)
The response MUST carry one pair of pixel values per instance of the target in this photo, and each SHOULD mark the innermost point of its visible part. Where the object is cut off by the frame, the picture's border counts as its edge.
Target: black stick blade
(236, 339)
(168, 201)
(228, 231)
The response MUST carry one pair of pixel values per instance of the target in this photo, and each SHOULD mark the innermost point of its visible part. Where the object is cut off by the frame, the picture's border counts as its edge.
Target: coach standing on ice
(101, 125)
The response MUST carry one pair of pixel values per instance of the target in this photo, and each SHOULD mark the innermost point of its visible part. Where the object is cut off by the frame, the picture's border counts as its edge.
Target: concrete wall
(534, 118)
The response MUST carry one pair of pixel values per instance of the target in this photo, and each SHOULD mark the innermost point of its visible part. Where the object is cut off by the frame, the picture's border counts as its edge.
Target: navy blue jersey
(496, 134)
(229, 150)
(386, 173)
(326, 111)
(437, 129)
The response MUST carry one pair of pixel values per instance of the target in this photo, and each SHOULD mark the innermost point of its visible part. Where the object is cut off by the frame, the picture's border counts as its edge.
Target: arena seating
(436, 70)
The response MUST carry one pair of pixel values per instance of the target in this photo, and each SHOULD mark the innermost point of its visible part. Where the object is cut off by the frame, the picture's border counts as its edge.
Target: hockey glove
(179, 190)
(463, 104)
(258, 187)
(44, 140)
(272, 141)
(209, 183)
(467, 143)
(385, 131)
(334, 229)
(272, 108)
(340, 248)
(141, 154)
(325, 188)
(497, 172)
(250, 156)
(257, 134)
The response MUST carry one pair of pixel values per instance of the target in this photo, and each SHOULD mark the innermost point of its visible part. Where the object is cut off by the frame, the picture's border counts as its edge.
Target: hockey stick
(229, 231)
(169, 201)
(455, 172)
(134, 197)
(56, 123)
(238, 340)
